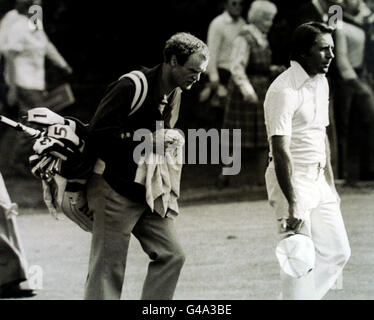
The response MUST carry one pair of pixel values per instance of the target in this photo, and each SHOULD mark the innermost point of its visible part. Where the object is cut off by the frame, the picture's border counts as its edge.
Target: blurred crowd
(249, 43)
(242, 67)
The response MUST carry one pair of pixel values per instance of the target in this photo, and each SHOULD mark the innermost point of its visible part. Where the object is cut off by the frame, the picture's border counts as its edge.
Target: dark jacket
(111, 129)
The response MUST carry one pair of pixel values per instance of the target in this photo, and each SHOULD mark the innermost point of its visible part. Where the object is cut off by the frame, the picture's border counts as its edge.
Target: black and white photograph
(201, 151)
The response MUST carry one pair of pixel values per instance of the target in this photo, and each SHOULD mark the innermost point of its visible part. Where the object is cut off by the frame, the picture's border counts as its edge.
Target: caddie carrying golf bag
(60, 159)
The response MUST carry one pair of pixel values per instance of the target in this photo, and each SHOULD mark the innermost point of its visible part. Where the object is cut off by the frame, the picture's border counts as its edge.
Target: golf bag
(60, 160)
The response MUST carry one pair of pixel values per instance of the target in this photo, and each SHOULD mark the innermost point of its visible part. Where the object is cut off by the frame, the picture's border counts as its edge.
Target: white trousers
(13, 264)
(319, 207)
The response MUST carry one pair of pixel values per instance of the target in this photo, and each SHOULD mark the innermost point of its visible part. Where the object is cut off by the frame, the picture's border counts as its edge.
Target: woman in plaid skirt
(252, 74)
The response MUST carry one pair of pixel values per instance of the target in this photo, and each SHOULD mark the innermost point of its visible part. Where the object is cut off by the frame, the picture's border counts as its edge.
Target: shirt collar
(157, 96)
(300, 75)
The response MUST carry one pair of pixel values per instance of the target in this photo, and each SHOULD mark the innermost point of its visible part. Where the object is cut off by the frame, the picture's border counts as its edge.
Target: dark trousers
(354, 112)
(115, 219)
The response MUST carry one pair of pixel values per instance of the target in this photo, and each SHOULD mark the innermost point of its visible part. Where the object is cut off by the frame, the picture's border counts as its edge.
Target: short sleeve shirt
(297, 105)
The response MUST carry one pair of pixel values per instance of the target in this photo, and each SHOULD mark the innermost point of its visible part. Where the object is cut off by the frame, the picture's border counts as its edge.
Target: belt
(317, 165)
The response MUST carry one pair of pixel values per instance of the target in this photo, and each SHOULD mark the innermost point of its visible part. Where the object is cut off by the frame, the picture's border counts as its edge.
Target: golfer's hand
(293, 223)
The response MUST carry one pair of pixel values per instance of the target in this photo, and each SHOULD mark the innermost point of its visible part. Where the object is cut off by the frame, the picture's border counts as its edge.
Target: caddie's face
(320, 56)
(189, 73)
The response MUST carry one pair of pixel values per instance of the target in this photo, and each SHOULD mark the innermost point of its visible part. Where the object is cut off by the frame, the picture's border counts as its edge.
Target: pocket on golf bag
(68, 196)
(75, 205)
(73, 200)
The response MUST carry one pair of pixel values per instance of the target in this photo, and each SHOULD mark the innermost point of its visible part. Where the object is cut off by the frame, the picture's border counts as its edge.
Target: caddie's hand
(158, 141)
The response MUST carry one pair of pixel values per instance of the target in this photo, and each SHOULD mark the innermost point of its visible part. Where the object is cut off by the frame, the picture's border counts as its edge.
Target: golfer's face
(190, 72)
(321, 54)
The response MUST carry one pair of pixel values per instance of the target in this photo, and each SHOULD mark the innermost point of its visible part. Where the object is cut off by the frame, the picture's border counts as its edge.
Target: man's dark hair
(182, 45)
(304, 37)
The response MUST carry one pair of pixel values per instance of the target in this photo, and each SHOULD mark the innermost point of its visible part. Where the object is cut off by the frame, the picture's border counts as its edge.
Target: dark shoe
(15, 291)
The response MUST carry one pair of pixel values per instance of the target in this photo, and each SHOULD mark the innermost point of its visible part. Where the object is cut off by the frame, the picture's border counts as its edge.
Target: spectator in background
(354, 101)
(252, 73)
(221, 34)
(13, 265)
(24, 46)
(355, 11)
(369, 50)
(4, 110)
(6, 134)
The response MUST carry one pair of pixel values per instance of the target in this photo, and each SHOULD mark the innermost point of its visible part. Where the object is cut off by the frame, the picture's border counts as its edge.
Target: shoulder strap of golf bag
(74, 202)
(141, 89)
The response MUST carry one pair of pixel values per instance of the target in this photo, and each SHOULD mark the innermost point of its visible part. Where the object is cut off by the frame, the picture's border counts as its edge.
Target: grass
(229, 248)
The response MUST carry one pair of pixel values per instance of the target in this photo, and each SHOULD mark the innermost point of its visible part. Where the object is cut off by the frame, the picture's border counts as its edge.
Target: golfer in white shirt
(299, 177)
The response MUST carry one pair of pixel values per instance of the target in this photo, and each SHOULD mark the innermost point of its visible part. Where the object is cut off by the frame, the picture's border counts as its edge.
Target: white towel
(161, 175)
